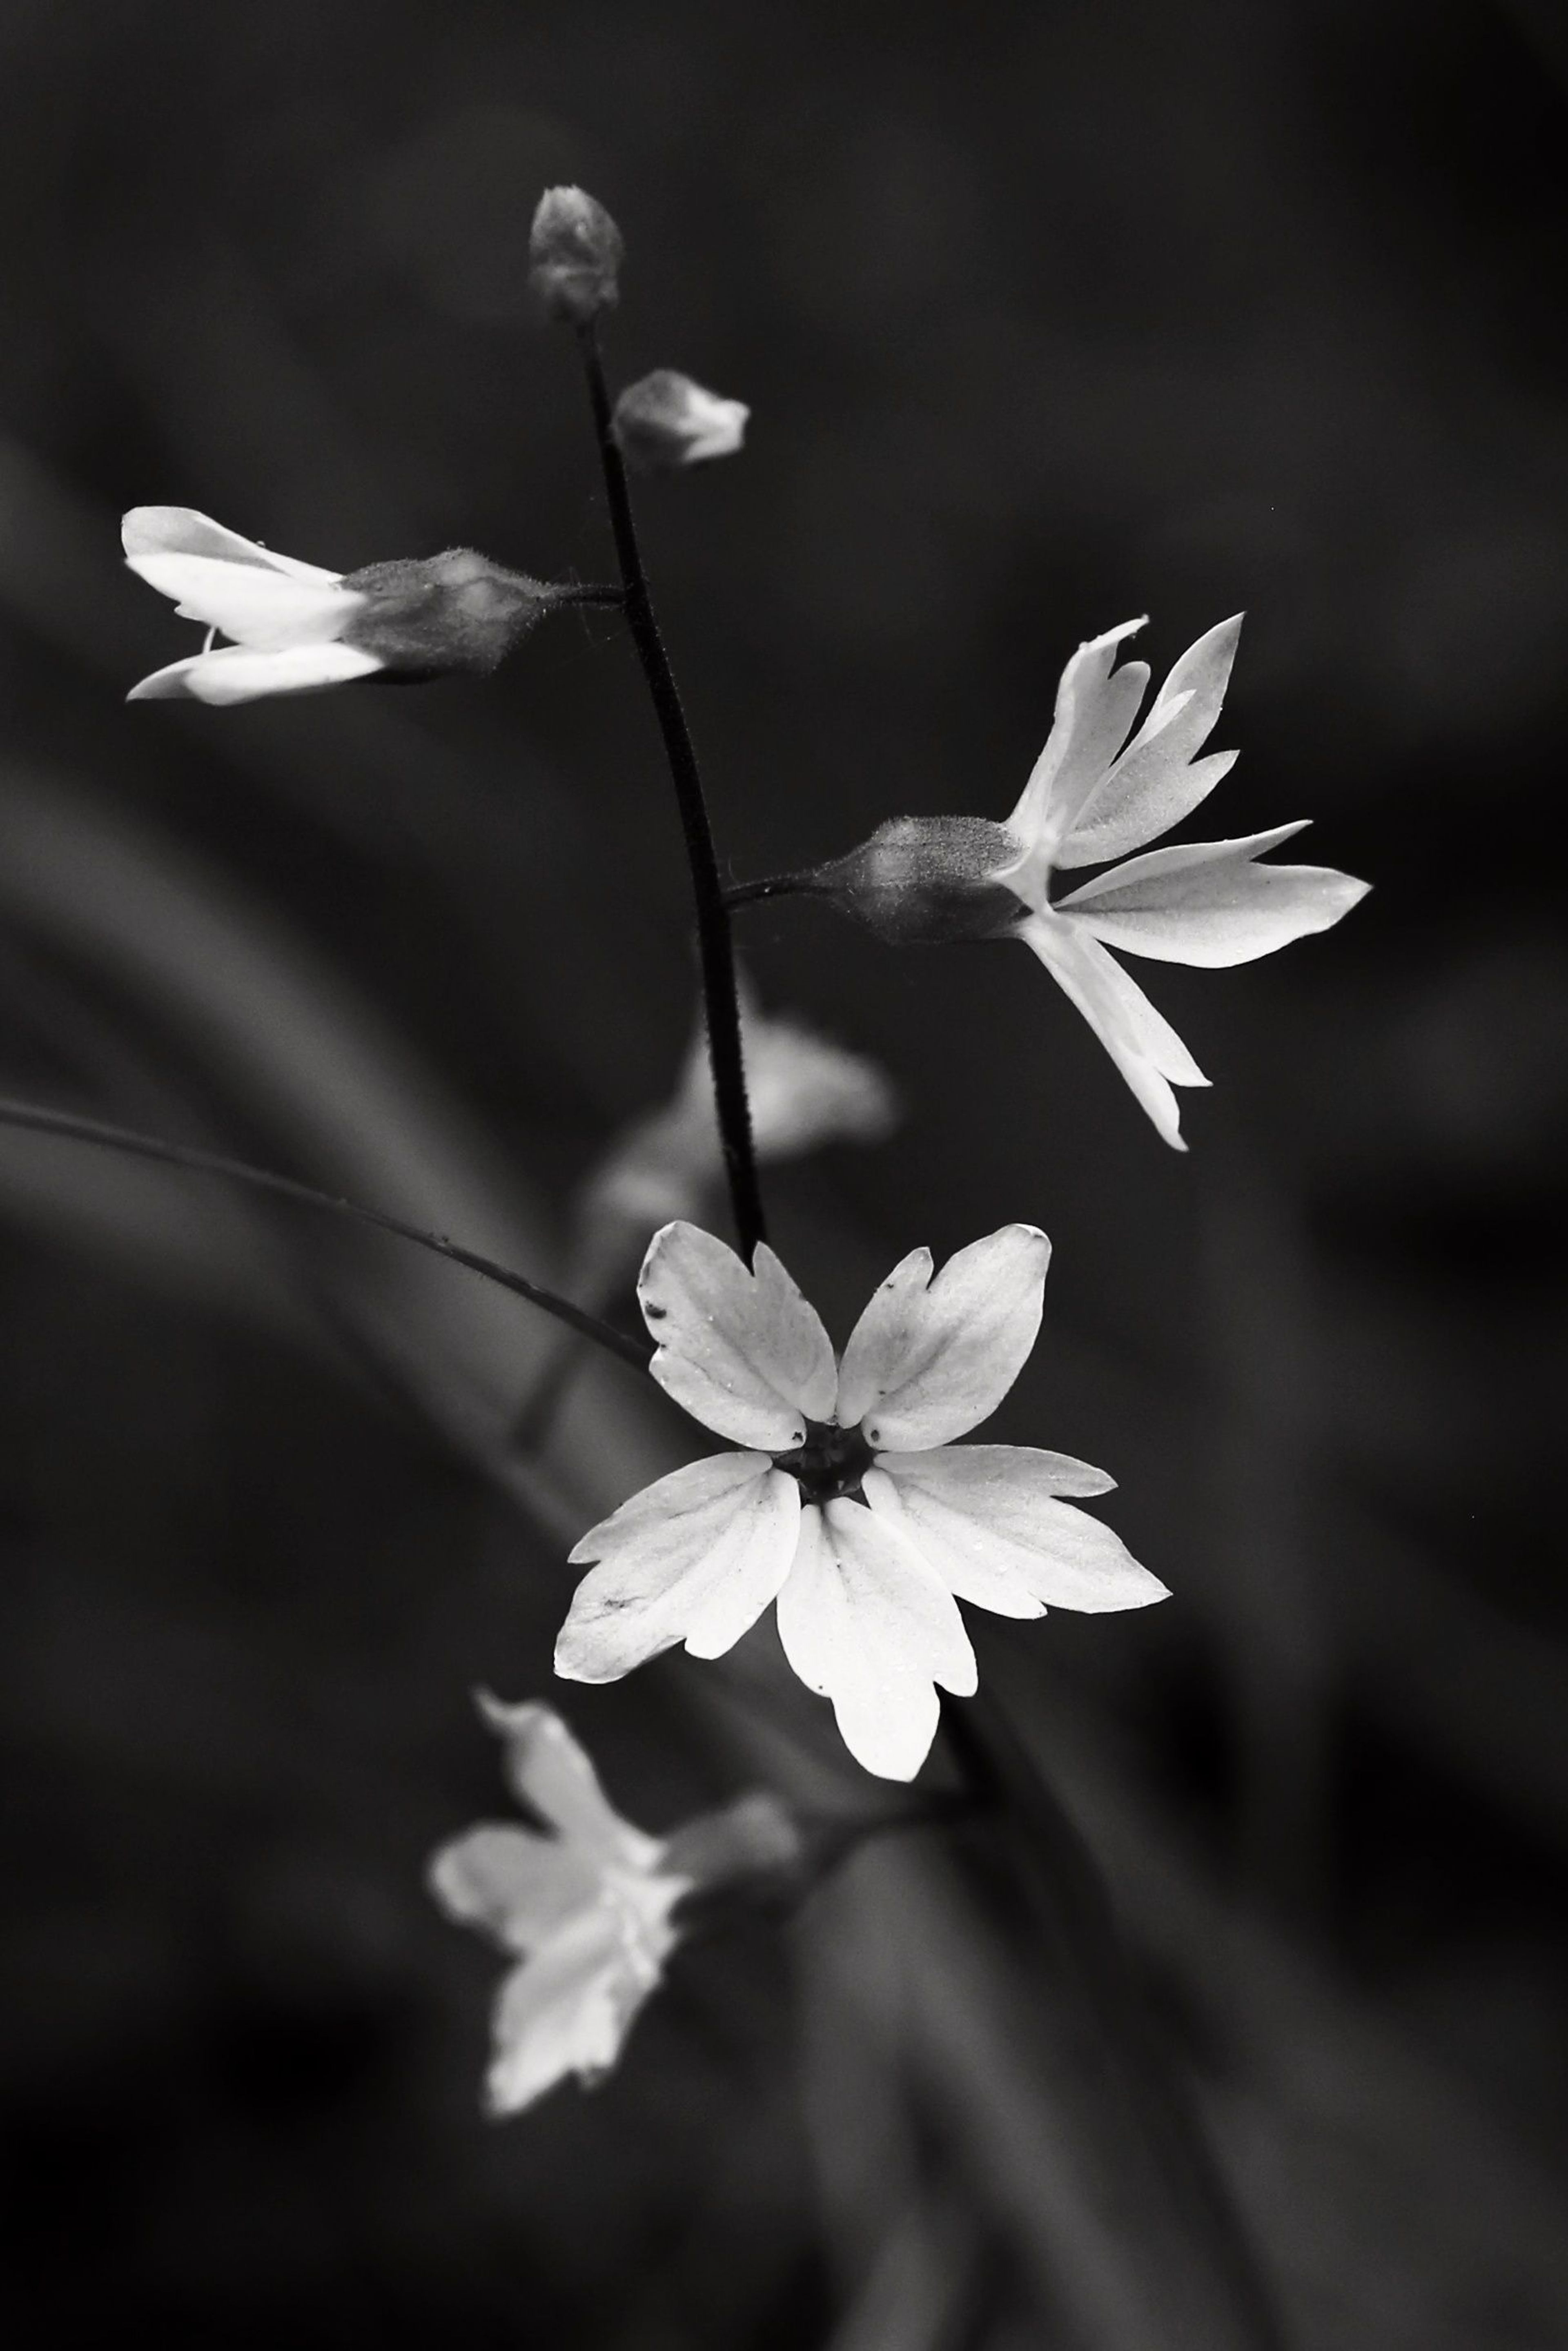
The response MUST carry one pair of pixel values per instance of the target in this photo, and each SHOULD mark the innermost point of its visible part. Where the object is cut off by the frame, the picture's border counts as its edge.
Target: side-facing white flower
(1090, 800)
(586, 1912)
(1094, 796)
(850, 1505)
(296, 628)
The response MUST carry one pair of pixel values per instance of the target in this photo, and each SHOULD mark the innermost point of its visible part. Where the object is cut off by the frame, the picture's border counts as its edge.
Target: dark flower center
(831, 1462)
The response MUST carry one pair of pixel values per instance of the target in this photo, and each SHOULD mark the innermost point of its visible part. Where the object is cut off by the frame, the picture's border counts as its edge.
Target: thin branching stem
(721, 1000)
(36, 1118)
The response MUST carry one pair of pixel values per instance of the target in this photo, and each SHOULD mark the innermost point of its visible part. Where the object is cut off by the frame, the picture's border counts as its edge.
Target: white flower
(850, 1506)
(667, 421)
(804, 1091)
(287, 618)
(296, 628)
(1208, 902)
(586, 1911)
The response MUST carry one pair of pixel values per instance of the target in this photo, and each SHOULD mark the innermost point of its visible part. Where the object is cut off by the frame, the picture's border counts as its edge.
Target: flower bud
(667, 421)
(425, 617)
(922, 881)
(574, 253)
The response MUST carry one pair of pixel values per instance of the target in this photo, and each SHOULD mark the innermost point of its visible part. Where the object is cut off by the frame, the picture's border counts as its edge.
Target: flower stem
(35, 1118)
(721, 1002)
(776, 885)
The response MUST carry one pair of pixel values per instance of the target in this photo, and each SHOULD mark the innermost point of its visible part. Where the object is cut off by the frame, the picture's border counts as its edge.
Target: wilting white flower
(586, 1911)
(850, 1505)
(804, 1091)
(296, 628)
(667, 421)
(1093, 796)
(1208, 903)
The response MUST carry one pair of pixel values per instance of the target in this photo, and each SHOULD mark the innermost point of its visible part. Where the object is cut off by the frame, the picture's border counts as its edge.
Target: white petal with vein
(1159, 779)
(927, 1359)
(696, 1557)
(549, 1771)
(256, 607)
(743, 1352)
(1209, 903)
(237, 673)
(988, 1515)
(865, 1622)
(181, 530)
(1141, 1043)
(1094, 708)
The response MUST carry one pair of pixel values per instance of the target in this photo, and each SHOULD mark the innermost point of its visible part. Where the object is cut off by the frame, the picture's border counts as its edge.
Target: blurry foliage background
(1048, 314)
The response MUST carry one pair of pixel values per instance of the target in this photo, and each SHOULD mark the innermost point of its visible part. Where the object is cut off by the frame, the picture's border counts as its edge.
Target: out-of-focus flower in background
(1093, 797)
(586, 1911)
(665, 421)
(850, 1506)
(592, 1910)
(297, 628)
(804, 1091)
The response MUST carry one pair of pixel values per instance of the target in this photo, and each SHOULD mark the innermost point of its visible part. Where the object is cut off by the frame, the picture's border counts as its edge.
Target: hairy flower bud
(574, 255)
(423, 617)
(665, 421)
(923, 880)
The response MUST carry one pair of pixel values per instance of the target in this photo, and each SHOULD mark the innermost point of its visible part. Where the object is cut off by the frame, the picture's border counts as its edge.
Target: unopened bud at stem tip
(574, 256)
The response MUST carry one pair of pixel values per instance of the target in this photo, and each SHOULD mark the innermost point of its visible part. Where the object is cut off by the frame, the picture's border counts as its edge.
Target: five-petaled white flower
(587, 1912)
(296, 628)
(850, 1505)
(1208, 903)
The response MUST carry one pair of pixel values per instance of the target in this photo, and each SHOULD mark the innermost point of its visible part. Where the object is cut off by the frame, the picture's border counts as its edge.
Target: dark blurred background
(1048, 314)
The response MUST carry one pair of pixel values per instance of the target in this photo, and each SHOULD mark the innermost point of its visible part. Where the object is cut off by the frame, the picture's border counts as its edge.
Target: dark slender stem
(37, 1119)
(778, 885)
(591, 593)
(720, 995)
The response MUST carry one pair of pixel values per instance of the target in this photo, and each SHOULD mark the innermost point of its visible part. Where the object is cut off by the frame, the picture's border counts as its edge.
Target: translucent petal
(741, 1351)
(567, 2010)
(181, 530)
(518, 1887)
(1144, 1048)
(1159, 779)
(265, 609)
(1208, 902)
(696, 1557)
(550, 1772)
(236, 674)
(865, 1622)
(987, 1518)
(927, 1359)
(1094, 708)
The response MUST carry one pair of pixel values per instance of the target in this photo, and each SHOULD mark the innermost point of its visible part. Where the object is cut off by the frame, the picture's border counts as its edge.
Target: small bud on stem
(574, 255)
(665, 421)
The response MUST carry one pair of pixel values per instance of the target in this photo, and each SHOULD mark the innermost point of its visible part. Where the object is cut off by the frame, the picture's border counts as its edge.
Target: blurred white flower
(575, 253)
(850, 1506)
(1208, 903)
(667, 421)
(804, 1091)
(295, 628)
(587, 1912)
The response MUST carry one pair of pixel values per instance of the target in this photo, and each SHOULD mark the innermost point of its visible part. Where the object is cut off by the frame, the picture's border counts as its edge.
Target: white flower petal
(742, 1351)
(966, 1569)
(987, 1518)
(236, 674)
(549, 1771)
(1094, 708)
(181, 530)
(1159, 779)
(927, 1359)
(518, 1887)
(1144, 1045)
(865, 1622)
(1208, 902)
(567, 2010)
(261, 608)
(696, 1557)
